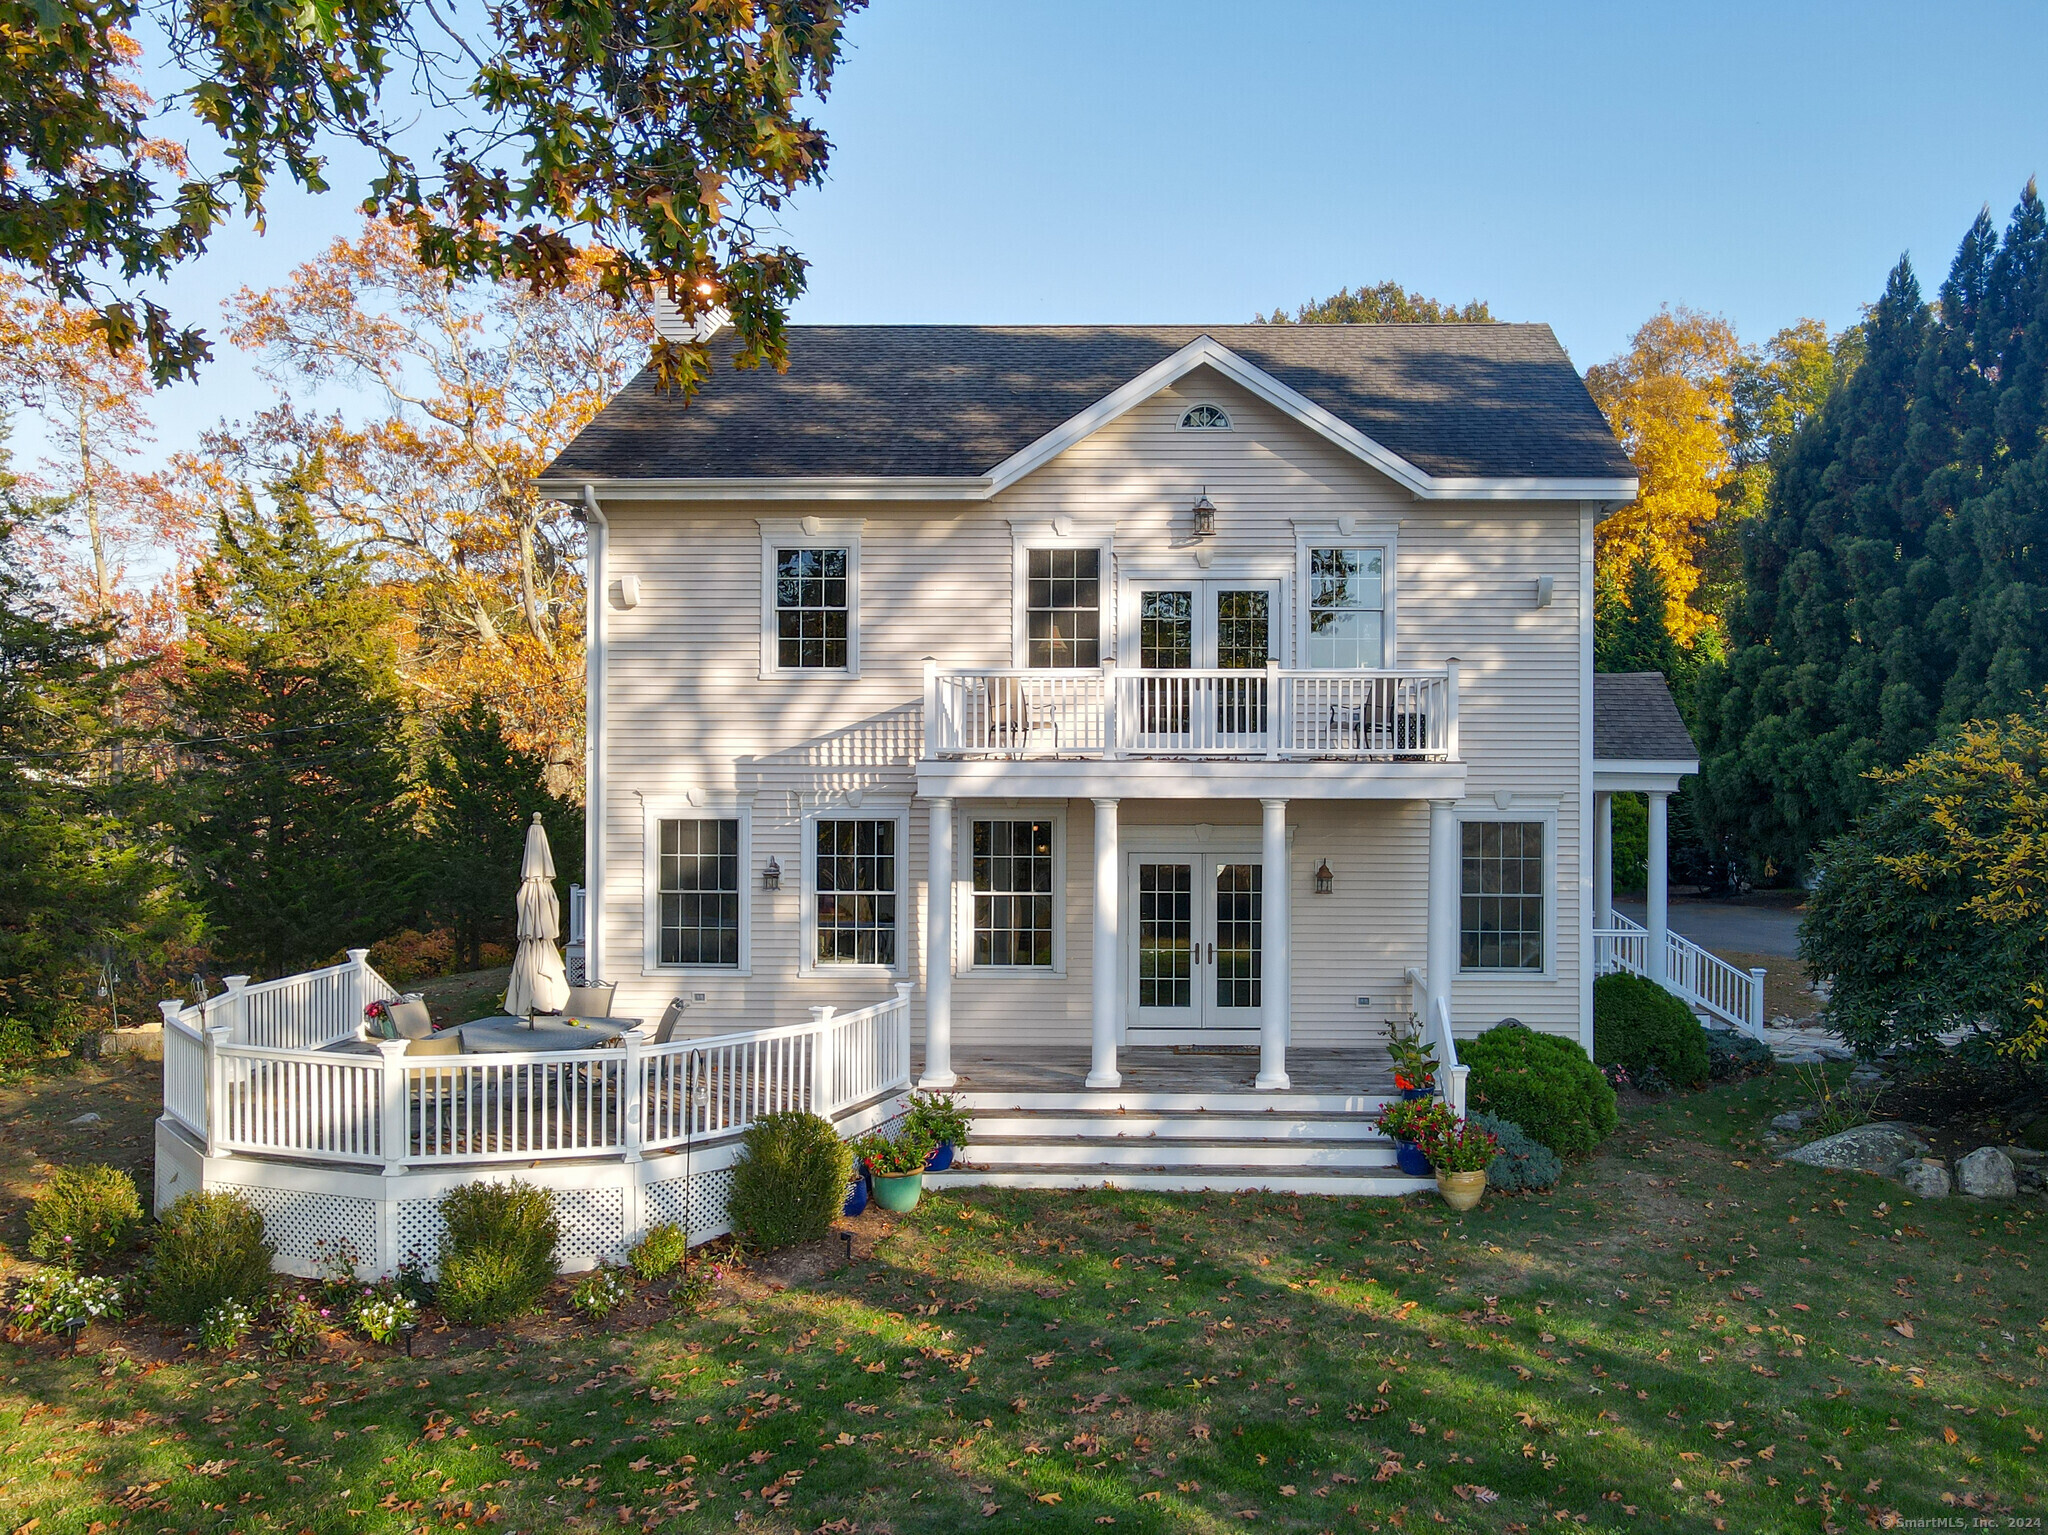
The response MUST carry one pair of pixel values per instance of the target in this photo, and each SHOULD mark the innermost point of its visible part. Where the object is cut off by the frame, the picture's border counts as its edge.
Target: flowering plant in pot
(1414, 1060)
(1405, 1122)
(938, 1118)
(894, 1167)
(1460, 1152)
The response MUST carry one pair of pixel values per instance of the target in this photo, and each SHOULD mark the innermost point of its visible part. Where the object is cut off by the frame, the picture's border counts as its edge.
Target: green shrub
(600, 1292)
(209, 1247)
(56, 1298)
(1732, 1056)
(498, 1253)
(790, 1180)
(1521, 1165)
(1638, 1026)
(83, 1215)
(1544, 1083)
(226, 1327)
(660, 1252)
(938, 1118)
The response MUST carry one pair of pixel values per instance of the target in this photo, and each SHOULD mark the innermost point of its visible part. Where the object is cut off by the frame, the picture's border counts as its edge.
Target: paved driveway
(1737, 928)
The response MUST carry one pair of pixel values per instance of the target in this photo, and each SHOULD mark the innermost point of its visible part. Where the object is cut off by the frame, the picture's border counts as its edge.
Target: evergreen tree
(295, 809)
(83, 881)
(1898, 581)
(481, 792)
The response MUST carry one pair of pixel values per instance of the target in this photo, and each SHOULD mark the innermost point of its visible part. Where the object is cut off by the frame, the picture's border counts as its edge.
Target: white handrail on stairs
(1436, 1030)
(1693, 974)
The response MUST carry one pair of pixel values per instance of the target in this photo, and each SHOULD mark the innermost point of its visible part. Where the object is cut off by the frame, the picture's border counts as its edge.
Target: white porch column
(1658, 831)
(938, 951)
(1442, 950)
(1603, 860)
(1107, 961)
(1278, 949)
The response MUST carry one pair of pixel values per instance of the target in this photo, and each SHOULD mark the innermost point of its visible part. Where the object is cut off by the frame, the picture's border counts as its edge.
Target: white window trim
(1544, 812)
(1054, 811)
(1348, 533)
(1279, 631)
(807, 966)
(1059, 533)
(810, 533)
(1181, 425)
(712, 809)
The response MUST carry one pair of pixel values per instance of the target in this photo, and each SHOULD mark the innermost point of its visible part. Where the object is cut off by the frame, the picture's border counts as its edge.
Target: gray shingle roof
(1635, 720)
(956, 400)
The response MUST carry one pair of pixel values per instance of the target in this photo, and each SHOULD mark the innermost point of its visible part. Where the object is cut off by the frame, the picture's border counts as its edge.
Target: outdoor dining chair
(592, 1001)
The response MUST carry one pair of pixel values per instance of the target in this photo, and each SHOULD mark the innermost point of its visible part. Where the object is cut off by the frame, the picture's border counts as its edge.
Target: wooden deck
(1153, 1070)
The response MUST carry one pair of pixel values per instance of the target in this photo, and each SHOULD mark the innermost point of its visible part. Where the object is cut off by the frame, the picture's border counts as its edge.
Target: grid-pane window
(855, 878)
(1013, 893)
(1347, 601)
(1166, 935)
(1501, 920)
(699, 886)
(1063, 607)
(810, 609)
(1240, 934)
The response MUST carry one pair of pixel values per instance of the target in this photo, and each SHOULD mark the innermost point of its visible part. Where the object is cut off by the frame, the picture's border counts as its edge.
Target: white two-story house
(1148, 699)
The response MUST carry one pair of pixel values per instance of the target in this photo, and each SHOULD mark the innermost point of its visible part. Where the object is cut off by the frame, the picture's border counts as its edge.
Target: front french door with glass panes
(1196, 627)
(1197, 960)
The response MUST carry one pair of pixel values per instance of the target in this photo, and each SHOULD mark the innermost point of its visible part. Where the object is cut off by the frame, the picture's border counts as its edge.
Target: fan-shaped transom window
(1205, 418)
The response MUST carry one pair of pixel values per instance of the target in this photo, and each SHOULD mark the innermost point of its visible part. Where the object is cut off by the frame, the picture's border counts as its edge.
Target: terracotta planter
(1461, 1191)
(1409, 1158)
(898, 1192)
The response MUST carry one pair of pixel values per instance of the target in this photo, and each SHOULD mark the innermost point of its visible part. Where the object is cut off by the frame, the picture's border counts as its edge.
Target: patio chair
(1013, 719)
(445, 1045)
(593, 1001)
(670, 1017)
(409, 1016)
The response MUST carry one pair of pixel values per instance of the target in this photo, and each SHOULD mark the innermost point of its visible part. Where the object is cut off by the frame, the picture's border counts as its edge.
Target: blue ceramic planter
(1414, 1094)
(940, 1159)
(857, 1194)
(1409, 1158)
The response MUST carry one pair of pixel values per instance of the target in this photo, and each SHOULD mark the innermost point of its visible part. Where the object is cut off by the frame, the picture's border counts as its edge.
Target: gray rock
(1795, 1120)
(1865, 1149)
(1986, 1173)
(1830, 1051)
(84, 1119)
(1794, 1055)
(2024, 1154)
(1925, 1178)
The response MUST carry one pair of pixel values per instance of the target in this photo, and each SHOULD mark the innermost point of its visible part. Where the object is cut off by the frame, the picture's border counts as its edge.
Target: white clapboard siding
(689, 711)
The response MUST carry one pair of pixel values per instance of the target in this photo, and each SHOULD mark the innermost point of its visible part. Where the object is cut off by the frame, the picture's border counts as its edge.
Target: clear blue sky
(1574, 163)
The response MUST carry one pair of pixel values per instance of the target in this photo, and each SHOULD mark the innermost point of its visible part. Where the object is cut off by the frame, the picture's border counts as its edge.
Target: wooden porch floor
(1154, 1070)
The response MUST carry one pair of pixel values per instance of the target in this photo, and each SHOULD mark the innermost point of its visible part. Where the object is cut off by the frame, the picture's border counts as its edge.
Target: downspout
(598, 534)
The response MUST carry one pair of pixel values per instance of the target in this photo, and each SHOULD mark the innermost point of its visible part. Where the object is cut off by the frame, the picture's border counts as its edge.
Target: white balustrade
(1693, 974)
(242, 1097)
(1346, 715)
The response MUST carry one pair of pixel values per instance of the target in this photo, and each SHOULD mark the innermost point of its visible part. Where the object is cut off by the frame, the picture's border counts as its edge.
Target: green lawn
(1681, 1337)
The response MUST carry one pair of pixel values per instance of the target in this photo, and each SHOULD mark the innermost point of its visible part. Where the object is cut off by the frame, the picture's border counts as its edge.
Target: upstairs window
(1063, 608)
(812, 610)
(1347, 608)
(1205, 418)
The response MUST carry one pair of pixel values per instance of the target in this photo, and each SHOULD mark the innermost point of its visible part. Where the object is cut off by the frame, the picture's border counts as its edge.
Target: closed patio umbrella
(539, 982)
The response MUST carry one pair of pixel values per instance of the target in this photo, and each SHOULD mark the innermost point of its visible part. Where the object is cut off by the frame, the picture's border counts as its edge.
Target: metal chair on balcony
(1013, 719)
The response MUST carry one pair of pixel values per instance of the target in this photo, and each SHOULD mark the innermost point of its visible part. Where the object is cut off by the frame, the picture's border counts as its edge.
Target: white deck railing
(1693, 974)
(1272, 713)
(271, 1095)
(1436, 1030)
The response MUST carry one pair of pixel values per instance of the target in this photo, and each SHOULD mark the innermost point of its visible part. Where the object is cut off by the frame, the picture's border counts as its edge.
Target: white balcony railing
(1271, 713)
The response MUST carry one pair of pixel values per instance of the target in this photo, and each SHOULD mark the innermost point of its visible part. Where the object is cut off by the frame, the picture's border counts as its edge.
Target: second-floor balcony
(1270, 714)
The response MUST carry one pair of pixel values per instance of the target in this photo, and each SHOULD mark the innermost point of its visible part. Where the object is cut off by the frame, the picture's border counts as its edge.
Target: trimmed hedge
(1521, 1165)
(498, 1252)
(83, 1216)
(1544, 1083)
(790, 1180)
(1637, 1025)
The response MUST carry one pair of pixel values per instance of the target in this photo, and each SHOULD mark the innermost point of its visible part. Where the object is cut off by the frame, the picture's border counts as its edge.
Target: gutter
(595, 582)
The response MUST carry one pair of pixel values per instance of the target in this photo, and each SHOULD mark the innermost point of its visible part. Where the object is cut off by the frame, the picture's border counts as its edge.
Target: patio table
(503, 1034)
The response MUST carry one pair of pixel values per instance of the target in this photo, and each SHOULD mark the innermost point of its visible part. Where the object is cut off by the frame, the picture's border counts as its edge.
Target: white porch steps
(1305, 1143)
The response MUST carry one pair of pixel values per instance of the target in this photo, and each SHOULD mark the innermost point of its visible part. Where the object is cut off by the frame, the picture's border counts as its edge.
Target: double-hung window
(1501, 920)
(1063, 608)
(856, 880)
(697, 883)
(810, 596)
(1347, 608)
(1013, 893)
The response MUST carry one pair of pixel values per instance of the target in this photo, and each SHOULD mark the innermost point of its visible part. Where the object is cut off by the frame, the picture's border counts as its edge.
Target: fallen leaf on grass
(1472, 1492)
(1048, 1497)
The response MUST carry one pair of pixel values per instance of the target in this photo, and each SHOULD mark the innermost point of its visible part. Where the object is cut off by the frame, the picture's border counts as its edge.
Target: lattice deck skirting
(312, 1211)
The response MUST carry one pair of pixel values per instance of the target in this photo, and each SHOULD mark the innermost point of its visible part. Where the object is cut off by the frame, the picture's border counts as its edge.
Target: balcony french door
(1203, 626)
(1197, 958)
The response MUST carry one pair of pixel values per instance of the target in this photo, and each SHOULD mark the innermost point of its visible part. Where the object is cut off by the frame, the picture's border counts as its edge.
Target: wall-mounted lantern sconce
(1205, 515)
(629, 591)
(771, 877)
(1326, 882)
